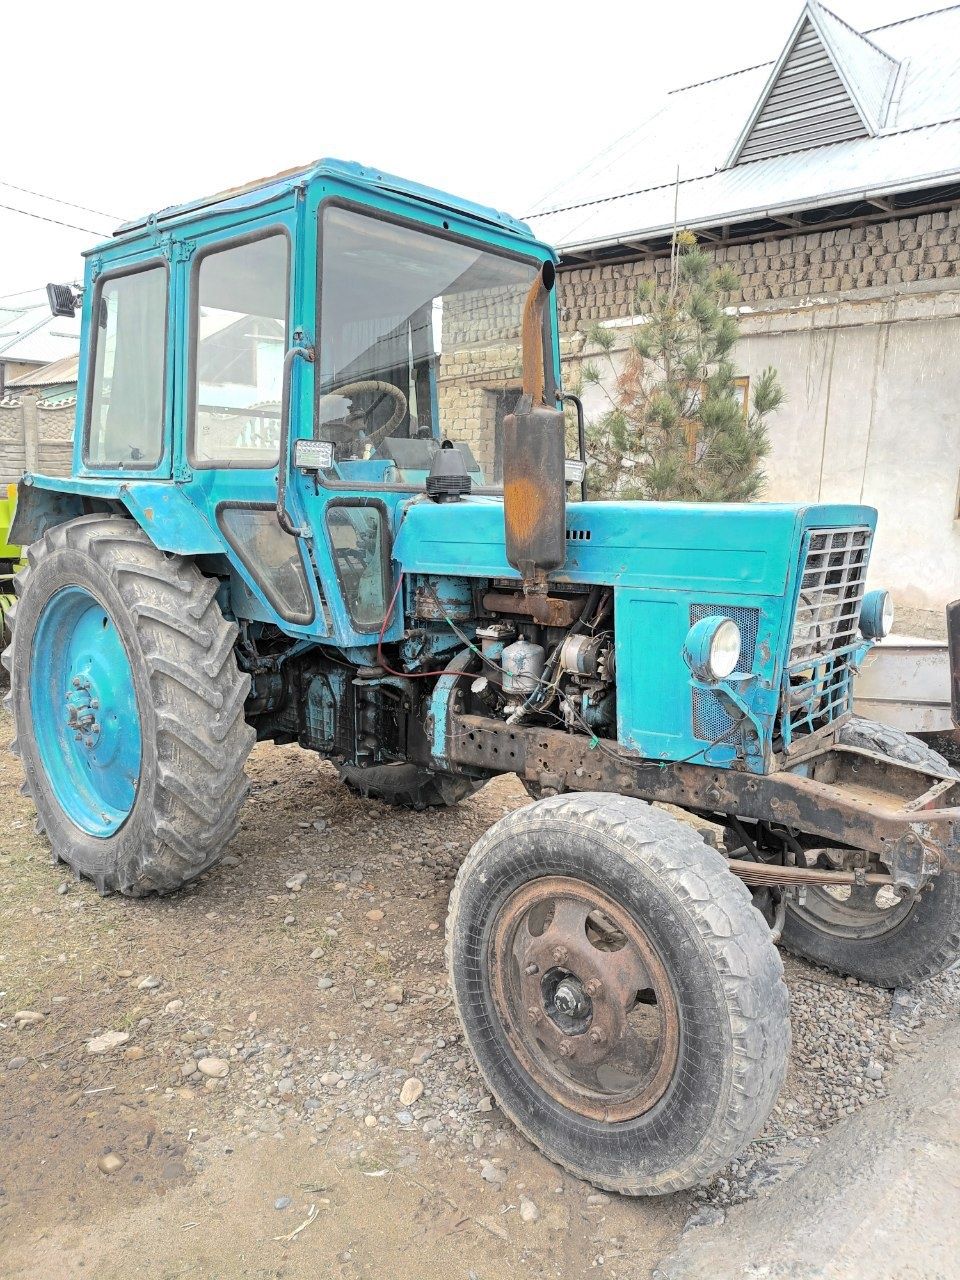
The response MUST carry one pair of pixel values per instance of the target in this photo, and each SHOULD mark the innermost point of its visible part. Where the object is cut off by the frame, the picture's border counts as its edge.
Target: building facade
(829, 181)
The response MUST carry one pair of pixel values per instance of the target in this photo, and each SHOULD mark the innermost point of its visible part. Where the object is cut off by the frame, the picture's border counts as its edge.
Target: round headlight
(712, 648)
(876, 615)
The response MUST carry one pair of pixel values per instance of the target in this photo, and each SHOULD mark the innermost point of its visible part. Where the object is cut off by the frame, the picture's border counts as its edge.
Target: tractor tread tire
(726, 942)
(927, 942)
(195, 739)
(409, 786)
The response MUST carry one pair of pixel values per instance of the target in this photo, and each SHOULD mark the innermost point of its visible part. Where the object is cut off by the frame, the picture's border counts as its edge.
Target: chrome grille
(817, 682)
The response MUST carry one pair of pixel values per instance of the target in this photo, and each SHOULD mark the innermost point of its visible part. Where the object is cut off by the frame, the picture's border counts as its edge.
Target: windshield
(419, 340)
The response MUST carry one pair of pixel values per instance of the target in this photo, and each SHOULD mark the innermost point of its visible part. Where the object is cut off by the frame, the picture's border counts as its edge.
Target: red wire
(406, 675)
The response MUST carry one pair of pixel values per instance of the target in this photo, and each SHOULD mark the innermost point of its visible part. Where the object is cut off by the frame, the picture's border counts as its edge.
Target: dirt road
(286, 1094)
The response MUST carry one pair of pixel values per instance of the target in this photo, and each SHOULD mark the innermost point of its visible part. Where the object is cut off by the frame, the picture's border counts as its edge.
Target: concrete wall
(35, 437)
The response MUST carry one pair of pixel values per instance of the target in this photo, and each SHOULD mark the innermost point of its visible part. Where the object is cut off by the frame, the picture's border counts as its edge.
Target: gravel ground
(296, 999)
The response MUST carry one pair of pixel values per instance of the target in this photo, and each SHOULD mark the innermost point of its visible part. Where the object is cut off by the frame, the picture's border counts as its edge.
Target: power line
(56, 221)
(115, 217)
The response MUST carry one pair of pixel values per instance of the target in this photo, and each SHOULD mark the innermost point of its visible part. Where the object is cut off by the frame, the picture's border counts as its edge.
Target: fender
(160, 508)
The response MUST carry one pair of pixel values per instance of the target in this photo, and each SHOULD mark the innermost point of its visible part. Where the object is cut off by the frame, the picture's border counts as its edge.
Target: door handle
(283, 467)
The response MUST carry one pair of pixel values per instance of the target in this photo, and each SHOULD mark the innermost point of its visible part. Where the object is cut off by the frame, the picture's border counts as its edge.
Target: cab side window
(240, 335)
(125, 405)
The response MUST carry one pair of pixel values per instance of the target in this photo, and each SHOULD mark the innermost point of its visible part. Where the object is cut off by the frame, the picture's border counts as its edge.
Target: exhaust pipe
(534, 481)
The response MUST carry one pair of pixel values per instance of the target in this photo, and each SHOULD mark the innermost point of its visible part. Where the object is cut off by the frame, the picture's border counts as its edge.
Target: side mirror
(63, 299)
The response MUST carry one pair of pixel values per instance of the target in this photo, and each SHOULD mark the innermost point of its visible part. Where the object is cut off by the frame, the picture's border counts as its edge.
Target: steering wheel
(382, 390)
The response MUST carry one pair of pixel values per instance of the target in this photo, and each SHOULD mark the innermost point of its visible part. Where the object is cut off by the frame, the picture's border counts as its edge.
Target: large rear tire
(129, 706)
(619, 991)
(873, 934)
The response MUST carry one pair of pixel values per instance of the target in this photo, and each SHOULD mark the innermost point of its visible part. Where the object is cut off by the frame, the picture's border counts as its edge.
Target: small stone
(485, 1103)
(874, 1071)
(28, 1018)
(324, 984)
(149, 983)
(375, 916)
(296, 883)
(124, 973)
(403, 1117)
(330, 1079)
(63, 887)
(16, 1063)
(708, 1216)
(411, 1091)
(110, 1163)
(109, 1041)
(528, 1210)
(598, 1198)
(213, 1068)
(173, 1006)
(393, 992)
(289, 919)
(286, 1087)
(490, 1172)
(134, 1053)
(421, 1055)
(283, 1202)
(370, 1121)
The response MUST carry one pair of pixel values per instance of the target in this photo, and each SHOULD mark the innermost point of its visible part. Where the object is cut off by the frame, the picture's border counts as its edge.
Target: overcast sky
(125, 107)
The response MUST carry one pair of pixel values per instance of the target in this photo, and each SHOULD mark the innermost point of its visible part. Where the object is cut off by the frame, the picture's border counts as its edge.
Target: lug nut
(597, 1036)
(534, 1014)
(567, 1048)
(594, 987)
(560, 954)
(531, 969)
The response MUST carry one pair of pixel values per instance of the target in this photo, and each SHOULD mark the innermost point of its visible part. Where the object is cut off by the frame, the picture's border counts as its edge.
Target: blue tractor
(319, 495)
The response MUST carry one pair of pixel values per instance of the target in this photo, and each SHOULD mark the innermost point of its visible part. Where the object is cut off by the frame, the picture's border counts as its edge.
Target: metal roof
(904, 82)
(55, 374)
(31, 335)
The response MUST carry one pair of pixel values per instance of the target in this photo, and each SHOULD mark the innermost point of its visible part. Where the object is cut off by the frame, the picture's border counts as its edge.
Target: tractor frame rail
(849, 797)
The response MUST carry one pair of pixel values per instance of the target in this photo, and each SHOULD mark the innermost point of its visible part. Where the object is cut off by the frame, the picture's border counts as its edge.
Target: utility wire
(70, 204)
(56, 221)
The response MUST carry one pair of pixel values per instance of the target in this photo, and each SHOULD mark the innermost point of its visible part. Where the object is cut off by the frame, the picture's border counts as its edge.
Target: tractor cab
(277, 368)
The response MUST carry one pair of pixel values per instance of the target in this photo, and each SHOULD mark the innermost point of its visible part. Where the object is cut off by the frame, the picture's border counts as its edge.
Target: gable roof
(829, 83)
(31, 335)
(907, 139)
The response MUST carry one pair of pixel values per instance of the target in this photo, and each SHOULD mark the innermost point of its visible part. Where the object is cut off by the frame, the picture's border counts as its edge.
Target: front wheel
(874, 934)
(619, 992)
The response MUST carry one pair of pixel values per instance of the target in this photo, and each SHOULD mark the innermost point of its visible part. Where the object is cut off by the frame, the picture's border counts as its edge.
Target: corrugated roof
(628, 191)
(33, 336)
(50, 375)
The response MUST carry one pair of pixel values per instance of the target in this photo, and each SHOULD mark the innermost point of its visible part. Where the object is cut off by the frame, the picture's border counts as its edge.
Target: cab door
(239, 290)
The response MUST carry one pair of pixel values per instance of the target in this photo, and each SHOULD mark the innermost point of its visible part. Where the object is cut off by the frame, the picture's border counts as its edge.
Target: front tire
(874, 935)
(129, 706)
(618, 990)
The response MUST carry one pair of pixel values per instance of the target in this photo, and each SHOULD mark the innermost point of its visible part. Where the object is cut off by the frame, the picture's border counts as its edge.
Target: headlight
(876, 615)
(712, 648)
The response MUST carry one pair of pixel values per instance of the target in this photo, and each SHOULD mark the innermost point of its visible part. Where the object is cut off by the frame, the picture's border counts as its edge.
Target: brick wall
(926, 247)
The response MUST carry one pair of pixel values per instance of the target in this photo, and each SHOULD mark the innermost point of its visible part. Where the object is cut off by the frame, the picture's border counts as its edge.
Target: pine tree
(676, 428)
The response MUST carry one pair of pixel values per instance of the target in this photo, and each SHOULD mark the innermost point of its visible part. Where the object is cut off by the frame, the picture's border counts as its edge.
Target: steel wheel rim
(586, 1003)
(86, 723)
(864, 912)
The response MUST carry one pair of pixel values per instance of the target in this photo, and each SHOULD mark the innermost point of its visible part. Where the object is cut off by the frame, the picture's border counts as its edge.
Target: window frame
(386, 552)
(193, 333)
(117, 273)
(299, 620)
(551, 386)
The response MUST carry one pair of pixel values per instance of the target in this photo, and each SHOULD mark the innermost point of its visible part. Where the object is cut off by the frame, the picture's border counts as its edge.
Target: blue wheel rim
(84, 709)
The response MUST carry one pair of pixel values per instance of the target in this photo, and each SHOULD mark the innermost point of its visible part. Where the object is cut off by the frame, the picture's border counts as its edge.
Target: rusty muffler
(534, 485)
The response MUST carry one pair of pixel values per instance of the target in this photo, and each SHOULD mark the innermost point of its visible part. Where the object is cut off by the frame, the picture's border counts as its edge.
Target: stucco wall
(34, 437)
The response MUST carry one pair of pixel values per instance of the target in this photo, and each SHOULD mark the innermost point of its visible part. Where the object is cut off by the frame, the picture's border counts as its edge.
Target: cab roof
(262, 189)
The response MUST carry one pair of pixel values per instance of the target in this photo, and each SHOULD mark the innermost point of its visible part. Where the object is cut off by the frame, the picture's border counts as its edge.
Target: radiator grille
(711, 719)
(817, 682)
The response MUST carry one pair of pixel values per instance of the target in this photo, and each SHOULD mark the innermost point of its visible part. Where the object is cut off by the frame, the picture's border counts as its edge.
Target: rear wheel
(128, 706)
(619, 991)
(872, 934)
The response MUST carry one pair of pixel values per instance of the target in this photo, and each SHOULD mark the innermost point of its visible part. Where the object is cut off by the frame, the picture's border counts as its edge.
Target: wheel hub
(82, 707)
(584, 998)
